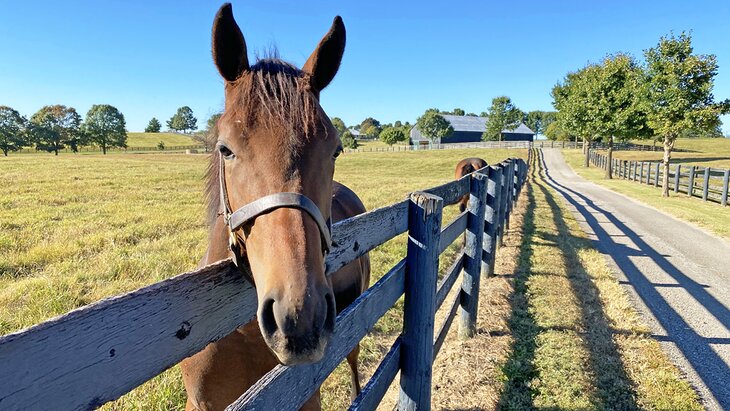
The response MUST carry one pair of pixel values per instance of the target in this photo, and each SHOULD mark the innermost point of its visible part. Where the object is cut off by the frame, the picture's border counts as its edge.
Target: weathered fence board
(453, 231)
(101, 351)
(491, 217)
(355, 236)
(444, 329)
(443, 288)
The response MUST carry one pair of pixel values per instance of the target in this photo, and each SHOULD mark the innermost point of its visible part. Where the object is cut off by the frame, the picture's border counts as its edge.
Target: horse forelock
(274, 95)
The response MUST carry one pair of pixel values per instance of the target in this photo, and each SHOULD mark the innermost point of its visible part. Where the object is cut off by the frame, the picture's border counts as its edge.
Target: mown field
(153, 139)
(706, 152)
(73, 231)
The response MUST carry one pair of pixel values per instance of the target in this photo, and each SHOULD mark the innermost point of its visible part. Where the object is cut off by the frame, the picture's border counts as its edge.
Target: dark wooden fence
(99, 352)
(508, 144)
(707, 183)
(91, 149)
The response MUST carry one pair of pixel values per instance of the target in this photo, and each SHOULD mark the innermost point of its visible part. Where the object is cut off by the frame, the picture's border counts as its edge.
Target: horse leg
(352, 361)
(314, 403)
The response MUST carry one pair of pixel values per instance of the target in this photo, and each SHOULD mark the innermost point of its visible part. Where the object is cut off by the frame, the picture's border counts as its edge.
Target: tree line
(56, 127)
(667, 96)
(501, 115)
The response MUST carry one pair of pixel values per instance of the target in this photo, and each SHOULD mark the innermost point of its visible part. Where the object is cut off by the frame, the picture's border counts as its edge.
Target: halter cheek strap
(246, 214)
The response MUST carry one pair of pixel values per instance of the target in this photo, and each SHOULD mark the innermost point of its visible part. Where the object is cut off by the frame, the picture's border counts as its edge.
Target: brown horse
(464, 167)
(274, 165)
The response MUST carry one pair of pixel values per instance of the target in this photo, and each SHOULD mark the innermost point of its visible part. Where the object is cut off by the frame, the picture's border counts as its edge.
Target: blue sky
(148, 58)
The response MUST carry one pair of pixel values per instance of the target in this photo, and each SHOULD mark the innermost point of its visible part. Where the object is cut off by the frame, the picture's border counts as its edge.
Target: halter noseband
(236, 219)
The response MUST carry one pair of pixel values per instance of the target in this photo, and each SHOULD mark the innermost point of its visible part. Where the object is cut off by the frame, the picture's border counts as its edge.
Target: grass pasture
(152, 139)
(705, 152)
(73, 231)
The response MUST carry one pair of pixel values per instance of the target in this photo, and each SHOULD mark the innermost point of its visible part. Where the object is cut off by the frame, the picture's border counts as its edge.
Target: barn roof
(521, 129)
(467, 123)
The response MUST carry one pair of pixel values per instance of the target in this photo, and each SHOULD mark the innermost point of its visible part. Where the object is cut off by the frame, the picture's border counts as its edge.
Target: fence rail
(99, 352)
(707, 183)
(90, 149)
(507, 144)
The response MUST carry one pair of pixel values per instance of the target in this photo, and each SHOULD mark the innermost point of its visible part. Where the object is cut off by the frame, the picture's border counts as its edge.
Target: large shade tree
(502, 115)
(433, 125)
(370, 127)
(392, 135)
(54, 127)
(616, 107)
(12, 130)
(571, 99)
(105, 126)
(679, 93)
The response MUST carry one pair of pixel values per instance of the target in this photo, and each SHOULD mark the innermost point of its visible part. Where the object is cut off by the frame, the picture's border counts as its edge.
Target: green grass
(710, 216)
(152, 139)
(578, 342)
(76, 230)
(707, 152)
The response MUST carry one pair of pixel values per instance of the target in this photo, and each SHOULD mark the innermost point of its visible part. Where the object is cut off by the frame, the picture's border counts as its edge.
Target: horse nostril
(266, 318)
(329, 322)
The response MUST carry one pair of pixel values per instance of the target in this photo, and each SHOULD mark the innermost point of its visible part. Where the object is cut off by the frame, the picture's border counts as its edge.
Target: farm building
(467, 129)
(519, 133)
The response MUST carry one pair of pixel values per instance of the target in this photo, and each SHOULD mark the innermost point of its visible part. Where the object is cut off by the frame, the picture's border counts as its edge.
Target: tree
(12, 130)
(502, 115)
(458, 112)
(433, 125)
(348, 140)
(679, 93)
(556, 133)
(392, 135)
(571, 99)
(339, 125)
(616, 108)
(154, 126)
(105, 127)
(183, 120)
(54, 127)
(370, 127)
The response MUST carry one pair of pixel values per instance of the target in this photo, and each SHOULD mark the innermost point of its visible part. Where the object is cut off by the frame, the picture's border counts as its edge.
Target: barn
(519, 133)
(467, 129)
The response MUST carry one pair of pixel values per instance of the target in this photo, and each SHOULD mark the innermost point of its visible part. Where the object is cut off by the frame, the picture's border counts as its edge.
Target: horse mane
(273, 94)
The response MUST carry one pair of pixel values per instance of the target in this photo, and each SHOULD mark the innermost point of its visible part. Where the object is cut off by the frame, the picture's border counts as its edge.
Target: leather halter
(249, 212)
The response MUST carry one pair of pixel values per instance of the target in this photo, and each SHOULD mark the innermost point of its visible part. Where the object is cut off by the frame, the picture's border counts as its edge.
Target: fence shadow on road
(708, 365)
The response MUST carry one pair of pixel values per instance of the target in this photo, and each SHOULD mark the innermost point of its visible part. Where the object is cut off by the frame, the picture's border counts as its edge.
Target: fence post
(648, 173)
(636, 169)
(491, 217)
(725, 188)
(510, 192)
(691, 188)
(424, 231)
(677, 177)
(706, 185)
(503, 201)
(469, 298)
(656, 175)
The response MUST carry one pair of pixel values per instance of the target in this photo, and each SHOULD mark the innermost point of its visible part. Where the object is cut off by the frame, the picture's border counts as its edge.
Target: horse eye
(225, 152)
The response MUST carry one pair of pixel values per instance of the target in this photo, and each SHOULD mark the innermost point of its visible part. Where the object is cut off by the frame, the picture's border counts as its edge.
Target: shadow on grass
(518, 369)
(614, 387)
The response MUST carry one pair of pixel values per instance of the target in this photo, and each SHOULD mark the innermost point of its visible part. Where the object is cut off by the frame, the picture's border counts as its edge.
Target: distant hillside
(152, 139)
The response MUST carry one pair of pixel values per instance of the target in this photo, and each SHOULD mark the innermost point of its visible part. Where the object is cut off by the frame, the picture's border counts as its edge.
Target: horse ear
(324, 62)
(229, 47)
